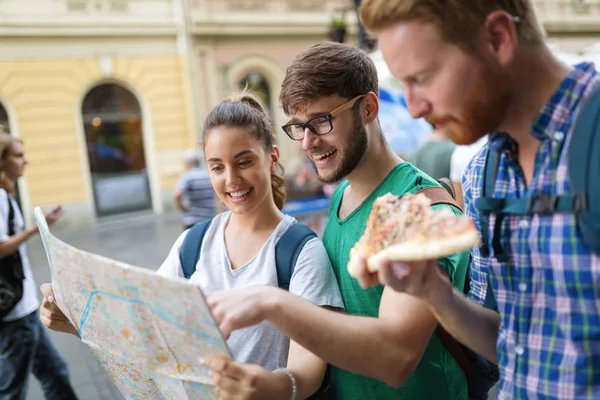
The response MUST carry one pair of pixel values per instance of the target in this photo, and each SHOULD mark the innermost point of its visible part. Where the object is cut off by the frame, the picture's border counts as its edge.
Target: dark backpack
(583, 165)
(481, 374)
(11, 271)
(287, 250)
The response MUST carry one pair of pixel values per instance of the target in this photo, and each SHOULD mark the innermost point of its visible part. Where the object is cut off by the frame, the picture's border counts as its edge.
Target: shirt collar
(556, 111)
(563, 103)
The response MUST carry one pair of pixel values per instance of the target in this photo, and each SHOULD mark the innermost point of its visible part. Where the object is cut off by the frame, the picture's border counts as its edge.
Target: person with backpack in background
(242, 247)
(25, 346)
(483, 67)
(386, 346)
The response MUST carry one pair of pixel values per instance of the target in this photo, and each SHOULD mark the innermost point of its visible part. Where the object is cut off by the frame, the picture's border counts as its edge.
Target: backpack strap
(448, 185)
(457, 351)
(190, 249)
(487, 204)
(440, 195)
(538, 203)
(11, 216)
(580, 166)
(288, 249)
(584, 166)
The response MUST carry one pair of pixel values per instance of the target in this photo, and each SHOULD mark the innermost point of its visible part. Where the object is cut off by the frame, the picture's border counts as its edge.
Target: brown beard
(351, 155)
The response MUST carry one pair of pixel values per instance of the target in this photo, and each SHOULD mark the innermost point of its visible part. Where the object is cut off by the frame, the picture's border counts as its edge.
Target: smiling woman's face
(240, 168)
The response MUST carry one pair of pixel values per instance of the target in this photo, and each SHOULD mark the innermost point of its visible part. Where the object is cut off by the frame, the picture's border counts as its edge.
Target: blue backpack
(287, 250)
(583, 200)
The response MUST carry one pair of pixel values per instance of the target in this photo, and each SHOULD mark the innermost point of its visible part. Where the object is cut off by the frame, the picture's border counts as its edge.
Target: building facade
(108, 94)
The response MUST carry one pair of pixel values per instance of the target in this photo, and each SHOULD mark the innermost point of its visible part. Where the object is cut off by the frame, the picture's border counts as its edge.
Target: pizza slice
(405, 228)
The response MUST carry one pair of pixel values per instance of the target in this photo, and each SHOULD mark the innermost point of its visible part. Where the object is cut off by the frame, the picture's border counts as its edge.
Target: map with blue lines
(148, 331)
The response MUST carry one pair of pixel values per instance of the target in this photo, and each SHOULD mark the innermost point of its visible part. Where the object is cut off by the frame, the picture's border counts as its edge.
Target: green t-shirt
(438, 376)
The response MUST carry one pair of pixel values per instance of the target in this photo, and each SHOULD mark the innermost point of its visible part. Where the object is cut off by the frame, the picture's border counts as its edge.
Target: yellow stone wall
(46, 95)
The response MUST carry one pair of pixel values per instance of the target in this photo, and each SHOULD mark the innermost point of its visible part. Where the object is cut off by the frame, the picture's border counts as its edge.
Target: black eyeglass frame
(328, 117)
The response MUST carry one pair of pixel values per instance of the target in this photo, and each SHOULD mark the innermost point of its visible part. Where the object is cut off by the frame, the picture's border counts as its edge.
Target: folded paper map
(149, 332)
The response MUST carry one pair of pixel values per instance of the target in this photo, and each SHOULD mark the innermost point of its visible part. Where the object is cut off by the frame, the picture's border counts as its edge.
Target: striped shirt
(548, 292)
(199, 194)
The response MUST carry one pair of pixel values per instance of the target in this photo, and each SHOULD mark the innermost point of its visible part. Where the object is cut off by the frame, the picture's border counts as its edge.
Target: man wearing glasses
(385, 347)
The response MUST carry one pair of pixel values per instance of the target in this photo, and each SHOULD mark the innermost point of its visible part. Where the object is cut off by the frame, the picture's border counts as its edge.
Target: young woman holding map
(238, 250)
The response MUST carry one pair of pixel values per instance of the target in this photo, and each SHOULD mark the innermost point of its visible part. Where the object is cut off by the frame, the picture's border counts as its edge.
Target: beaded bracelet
(292, 380)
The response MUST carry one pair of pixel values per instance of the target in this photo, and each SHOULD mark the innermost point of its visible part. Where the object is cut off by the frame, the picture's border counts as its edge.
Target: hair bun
(248, 98)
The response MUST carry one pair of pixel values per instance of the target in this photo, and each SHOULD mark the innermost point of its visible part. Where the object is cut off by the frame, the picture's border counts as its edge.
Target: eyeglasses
(319, 125)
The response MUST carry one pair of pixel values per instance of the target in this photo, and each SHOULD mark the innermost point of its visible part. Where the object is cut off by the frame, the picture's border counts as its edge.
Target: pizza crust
(411, 251)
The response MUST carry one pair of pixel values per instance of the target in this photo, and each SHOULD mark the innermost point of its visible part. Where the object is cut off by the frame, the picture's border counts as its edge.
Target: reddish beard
(481, 110)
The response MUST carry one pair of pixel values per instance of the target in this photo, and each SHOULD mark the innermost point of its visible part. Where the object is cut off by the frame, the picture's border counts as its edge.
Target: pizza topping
(408, 218)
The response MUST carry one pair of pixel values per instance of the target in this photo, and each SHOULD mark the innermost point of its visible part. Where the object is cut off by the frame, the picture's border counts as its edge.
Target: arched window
(112, 122)
(258, 84)
(4, 127)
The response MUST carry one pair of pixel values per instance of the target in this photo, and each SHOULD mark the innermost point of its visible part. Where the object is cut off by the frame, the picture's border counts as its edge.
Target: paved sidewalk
(141, 240)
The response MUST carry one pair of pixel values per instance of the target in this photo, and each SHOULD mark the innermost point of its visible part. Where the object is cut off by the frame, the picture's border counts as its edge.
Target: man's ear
(371, 107)
(500, 33)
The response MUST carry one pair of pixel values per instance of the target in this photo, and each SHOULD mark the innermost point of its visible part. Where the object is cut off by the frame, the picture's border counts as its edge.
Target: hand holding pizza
(425, 280)
(403, 237)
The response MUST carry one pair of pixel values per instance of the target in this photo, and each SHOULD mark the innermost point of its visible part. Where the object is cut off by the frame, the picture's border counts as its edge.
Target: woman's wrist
(273, 385)
(293, 388)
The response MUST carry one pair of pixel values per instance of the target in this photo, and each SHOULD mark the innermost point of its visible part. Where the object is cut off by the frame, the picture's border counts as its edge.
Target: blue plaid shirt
(548, 292)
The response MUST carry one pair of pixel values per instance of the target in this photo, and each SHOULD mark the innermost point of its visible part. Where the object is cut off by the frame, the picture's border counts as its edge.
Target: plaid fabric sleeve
(479, 263)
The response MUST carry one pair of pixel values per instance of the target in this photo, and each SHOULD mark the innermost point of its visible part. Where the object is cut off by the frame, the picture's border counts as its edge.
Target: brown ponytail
(278, 186)
(245, 110)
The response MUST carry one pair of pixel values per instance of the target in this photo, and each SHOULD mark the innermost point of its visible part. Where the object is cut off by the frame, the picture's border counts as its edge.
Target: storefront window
(112, 122)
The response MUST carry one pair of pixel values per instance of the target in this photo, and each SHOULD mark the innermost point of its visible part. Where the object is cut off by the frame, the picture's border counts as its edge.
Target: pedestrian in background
(433, 157)
(194, 195)
(24, 343)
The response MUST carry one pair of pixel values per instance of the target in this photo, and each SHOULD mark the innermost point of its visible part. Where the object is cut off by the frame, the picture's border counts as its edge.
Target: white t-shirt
(313, 280)
(462, 156)
(29, 303)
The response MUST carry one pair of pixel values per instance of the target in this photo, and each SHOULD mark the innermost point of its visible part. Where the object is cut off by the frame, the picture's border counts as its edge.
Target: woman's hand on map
(240, 308)
(233, 380)
(239, 381)
(51, 316)
(423, 279)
